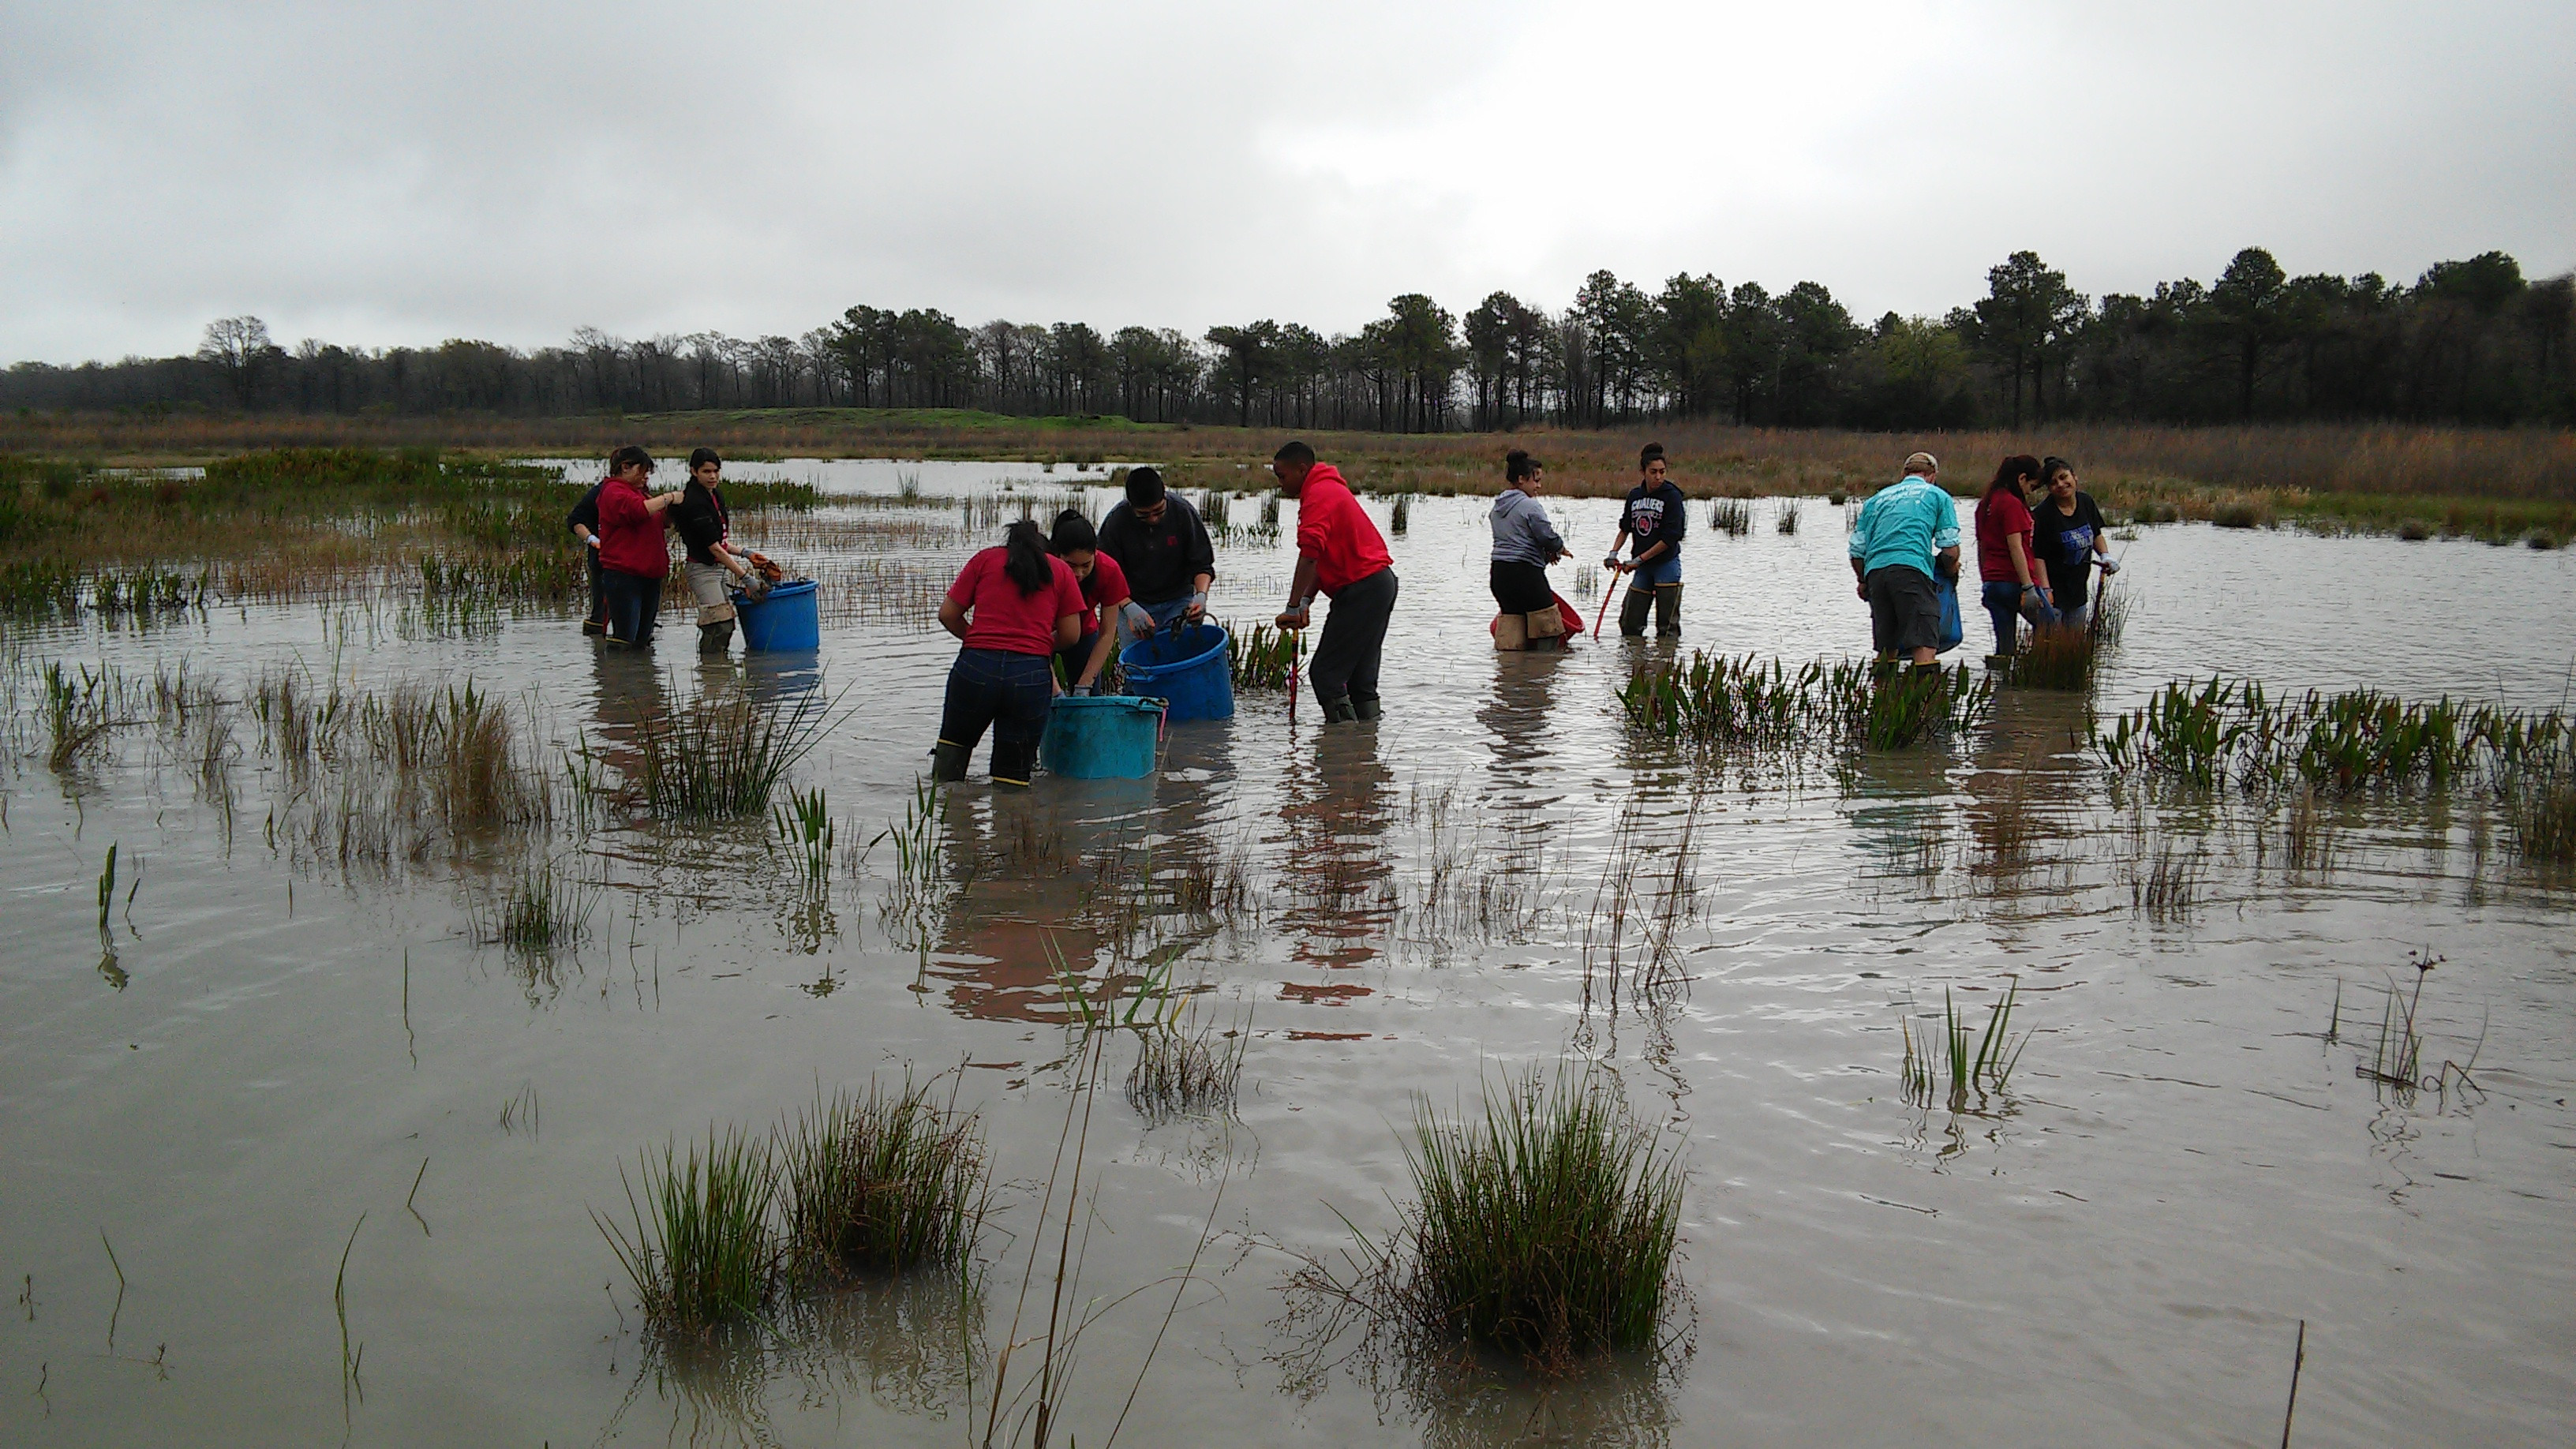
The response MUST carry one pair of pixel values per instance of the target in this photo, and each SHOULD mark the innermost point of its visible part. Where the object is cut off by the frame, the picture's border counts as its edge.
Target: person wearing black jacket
(1162, 548)
(702, 523)
(1651, 522)
(584, 523)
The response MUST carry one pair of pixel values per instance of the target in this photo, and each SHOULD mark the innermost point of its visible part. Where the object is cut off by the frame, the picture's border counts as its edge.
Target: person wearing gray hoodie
(1525, 541)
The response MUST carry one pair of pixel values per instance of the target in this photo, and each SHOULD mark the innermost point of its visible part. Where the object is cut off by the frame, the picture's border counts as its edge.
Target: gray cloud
(405, 173)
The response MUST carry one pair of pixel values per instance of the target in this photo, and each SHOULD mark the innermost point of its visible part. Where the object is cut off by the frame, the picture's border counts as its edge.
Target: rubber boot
(715, 638)
(1340, 710)
(947, 762)
(1668, 611)
(594, 628)
(1364, 708)
(1632, 611)
(1014, 764)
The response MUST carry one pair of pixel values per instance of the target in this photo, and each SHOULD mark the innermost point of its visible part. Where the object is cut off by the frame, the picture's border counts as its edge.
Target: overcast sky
(386, 173)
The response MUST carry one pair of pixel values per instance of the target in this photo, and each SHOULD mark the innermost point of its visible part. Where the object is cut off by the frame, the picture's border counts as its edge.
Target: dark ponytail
(1073, 534)
(1518, 466)
(1026, 561)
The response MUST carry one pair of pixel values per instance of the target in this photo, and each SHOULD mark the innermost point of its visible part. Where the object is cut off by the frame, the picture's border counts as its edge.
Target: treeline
(2469, 342)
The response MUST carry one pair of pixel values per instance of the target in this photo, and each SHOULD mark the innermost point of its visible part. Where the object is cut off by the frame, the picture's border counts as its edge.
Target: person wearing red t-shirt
(1013, 607)
(2005, 562)
(1341, 555)
(1105, 599)
(633, 560)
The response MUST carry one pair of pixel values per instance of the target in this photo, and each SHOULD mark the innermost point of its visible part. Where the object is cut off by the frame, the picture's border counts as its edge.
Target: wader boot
(947, 762)
(1632, 610)
(1014, 764)
(715, 638)
(1668, 611)
(1364, 708)
(1340, 710)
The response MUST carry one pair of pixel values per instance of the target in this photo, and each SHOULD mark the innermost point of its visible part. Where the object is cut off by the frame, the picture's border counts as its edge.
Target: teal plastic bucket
(1101, 737)
(1189, 669)
(784, 622)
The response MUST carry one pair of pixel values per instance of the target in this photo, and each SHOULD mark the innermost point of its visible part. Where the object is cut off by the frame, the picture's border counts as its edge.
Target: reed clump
(1731, 516)
(79, 710)
(700, 1251)
(1265, 657)
(882, 1182)
(723, 758)
(1748, 702)
(542, 910)
(1184, 1073)
(1787, 519)
(2058, 658)
(1962, 1063)
(2232, 732)
(1545, 1230)
(2539, 798)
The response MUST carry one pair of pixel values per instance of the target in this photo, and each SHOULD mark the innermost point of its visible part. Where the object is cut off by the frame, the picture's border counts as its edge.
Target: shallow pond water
(280, 1061)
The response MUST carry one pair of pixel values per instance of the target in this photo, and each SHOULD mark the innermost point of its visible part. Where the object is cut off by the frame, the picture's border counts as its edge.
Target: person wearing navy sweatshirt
(1651, 522)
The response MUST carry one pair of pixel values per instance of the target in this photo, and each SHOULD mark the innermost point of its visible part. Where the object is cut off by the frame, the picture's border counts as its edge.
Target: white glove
(1198, 603)
(593, 540)
(1139, 622)
(2110, 566)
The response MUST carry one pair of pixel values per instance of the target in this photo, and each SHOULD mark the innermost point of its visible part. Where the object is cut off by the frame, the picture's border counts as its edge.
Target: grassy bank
(2501, 484)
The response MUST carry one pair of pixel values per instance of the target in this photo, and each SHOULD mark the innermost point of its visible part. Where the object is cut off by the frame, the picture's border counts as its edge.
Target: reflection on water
(2190, 1159)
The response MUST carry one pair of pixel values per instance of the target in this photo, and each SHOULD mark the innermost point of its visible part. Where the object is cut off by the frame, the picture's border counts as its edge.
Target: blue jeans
(1005, 692)
(1665, 570)
(1078, 654)
(632, 602)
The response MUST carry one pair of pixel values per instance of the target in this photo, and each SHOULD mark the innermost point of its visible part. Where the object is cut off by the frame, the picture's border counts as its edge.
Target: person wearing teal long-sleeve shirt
(1906, 534)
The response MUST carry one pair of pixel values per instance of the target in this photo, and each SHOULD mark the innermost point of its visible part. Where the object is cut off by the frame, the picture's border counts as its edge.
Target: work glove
(1611, 562)
(593, 540)
(2110, 566)
(1139, 623)
(1198, 606)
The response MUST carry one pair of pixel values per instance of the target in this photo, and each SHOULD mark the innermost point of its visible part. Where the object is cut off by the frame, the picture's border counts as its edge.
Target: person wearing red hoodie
(1341, 555)
(633, 560)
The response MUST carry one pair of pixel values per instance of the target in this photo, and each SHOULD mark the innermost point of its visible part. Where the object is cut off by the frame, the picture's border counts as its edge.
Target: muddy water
(2117, 1252)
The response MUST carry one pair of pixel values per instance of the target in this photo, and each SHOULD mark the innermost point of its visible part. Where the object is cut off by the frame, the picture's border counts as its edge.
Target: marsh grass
(79, 710)
(917, 893)
(1545, 1229)
(1748, 703)
(2539, 798)
(2057, 658)
(541, 911)
(1184, 1073)
(804, 823)
(2226, 731)
(2165, 885)
(1264, 658)
(1961, 1062)
(699, 1251)
(723, 758)
(881, 1182)
(1731, 516)
(1400, 517)
(1786, 520)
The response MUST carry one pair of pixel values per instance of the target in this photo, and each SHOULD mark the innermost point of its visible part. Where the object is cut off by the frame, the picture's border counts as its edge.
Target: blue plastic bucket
(785, 621)
(1189, 669)
(1101, 737)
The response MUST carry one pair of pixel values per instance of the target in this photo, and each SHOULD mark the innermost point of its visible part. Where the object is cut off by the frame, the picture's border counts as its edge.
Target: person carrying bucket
(704, 528)
(1163, 550)
(1341, 555)
(633, 560)
(1013, 606)
(1525, 543)
(1906, 536)
(1105, 601)
(1652, 523)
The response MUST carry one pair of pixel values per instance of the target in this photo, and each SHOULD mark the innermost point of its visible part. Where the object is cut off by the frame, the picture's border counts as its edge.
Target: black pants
(1008, 692)
(632, 602)
(598, 591)
(1521, 588)
(1346, 658)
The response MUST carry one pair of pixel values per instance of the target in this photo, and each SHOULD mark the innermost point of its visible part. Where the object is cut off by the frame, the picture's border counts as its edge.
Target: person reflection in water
(1013, 607)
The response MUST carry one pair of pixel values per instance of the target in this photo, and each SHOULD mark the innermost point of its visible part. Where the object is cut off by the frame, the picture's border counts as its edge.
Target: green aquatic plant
(1962, 1062)
(2058, 658)
(1731, 516)
(2539, 798)
(723, 758)
(1263, 658)
(805, 823)
(79, 709)
(2223, 731)
(1787, 519)
(700, 1253)
(882, 1182)
(541, 910)
(1546, 1229)
(1744, 701)
(1184, 1073)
